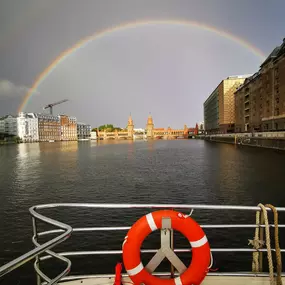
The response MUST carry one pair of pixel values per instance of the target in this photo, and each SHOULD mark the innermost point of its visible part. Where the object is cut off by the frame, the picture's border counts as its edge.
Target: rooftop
(7, 116)
(278, 51)
(272, 55)
(239, 76)
(248, 80)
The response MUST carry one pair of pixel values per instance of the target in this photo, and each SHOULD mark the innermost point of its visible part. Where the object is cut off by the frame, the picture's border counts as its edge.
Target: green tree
(17, 139)
(108, 128)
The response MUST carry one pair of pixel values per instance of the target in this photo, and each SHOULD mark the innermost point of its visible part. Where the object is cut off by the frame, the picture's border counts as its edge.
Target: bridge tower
(185, 132)
(130, 127)
(149, 127)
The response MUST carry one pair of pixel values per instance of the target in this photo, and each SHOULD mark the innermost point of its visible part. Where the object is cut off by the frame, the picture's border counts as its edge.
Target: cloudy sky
(162, 68)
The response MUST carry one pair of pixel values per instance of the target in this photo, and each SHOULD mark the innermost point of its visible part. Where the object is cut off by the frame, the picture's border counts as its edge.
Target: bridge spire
(149, 126)
(149, 119)
(130, 121)
(130, 127)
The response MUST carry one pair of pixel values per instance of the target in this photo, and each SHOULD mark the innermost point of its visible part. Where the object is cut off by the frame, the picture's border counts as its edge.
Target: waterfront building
(246, 94)
(8, 125)
(192, 132)
(219, 108)
(68, 128)
(83, 131)
(260, 101)
(49, 127)
(2, 126)
(27, 126)
(93, 135)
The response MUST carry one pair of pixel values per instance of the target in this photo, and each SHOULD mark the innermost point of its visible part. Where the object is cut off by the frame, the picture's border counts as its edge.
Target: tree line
(107, 128)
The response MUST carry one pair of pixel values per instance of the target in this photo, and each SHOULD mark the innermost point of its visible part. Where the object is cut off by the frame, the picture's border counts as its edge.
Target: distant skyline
(164, 68)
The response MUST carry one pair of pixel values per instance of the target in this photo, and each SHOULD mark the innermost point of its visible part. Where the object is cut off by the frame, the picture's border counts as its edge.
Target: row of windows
(69, 131)
(49, 124)
(49, 134)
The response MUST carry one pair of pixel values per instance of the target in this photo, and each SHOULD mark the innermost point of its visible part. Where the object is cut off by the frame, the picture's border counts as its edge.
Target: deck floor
(209, 280)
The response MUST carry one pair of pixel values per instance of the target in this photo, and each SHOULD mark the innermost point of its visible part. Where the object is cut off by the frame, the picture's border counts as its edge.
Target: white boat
(51, 141)
(45, 251)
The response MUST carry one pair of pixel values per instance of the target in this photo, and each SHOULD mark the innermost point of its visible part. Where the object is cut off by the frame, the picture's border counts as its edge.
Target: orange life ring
(201, 255)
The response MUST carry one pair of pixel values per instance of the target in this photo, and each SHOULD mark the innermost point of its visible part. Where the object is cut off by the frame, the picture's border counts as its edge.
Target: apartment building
(68, 128)
(48, 127)
(28, 127)
(2, 125)
(83, 131)
(8, 125)
(219, 108)
(260, 101)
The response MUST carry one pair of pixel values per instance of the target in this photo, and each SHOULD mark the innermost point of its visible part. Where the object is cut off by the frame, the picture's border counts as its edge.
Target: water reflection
(112, 142)
(26, 171)
(130, 150)
(229, 175)
(150, 145)
(27, 160)
(68, 146)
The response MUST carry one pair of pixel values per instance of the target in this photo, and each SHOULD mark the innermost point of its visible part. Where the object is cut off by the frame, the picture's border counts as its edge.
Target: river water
(175, 171)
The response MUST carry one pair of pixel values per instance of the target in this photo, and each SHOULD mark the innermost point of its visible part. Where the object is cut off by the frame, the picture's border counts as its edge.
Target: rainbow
(83, 42)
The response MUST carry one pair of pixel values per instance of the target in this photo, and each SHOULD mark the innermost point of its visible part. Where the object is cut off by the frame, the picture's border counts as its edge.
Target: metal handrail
(99, 229)
(151, 206)
(39, 249)
(65, 232)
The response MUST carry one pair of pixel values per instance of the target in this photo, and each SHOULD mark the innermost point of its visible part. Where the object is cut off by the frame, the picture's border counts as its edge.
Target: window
(276, 71)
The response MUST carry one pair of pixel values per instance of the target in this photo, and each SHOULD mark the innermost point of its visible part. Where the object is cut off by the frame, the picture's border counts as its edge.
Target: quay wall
(273, 140)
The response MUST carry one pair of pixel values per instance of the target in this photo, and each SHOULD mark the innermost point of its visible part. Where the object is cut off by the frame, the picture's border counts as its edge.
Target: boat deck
(209, 280)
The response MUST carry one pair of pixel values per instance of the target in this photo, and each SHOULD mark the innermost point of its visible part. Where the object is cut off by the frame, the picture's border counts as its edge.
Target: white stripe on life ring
(178, 281)
(199, 242)
(135, 270)
(151, 222)
(125, 240)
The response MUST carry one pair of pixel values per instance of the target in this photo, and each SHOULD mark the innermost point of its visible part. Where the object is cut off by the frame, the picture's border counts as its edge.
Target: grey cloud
(10, 89)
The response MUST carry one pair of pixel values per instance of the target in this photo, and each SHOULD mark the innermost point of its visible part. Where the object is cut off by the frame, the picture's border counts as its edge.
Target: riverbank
(8, 142)
(273, 140)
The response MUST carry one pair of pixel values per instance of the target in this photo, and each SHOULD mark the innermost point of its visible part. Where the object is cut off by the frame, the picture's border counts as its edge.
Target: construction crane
(50, 106)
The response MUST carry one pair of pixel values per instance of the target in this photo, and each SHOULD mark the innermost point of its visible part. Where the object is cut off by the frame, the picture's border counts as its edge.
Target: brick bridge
(149, 133)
